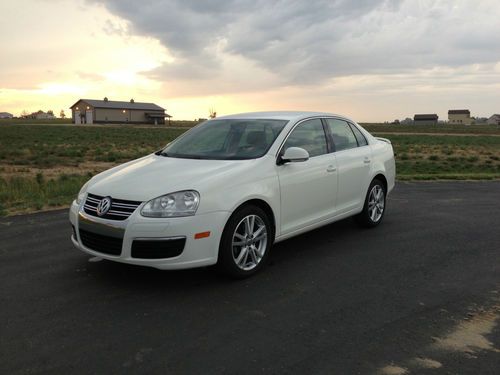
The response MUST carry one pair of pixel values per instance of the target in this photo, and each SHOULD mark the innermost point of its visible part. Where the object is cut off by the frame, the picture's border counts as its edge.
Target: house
(425, 119)
(6, 115)
(494, 120)
(88, 111)
(460, 116)
(40, 115)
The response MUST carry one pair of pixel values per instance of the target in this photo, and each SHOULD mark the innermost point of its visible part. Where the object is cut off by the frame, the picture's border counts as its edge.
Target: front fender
(263, 184)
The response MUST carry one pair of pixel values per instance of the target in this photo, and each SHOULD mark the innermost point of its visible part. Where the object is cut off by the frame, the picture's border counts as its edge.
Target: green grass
(44, 148)
(20, 194)
(41, 166)
(431, 157)
(68, 121)
(50, 146)
(443, 129)
(18, 121)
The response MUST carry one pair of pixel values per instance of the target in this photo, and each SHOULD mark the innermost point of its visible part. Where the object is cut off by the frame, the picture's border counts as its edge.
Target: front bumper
(196, 253)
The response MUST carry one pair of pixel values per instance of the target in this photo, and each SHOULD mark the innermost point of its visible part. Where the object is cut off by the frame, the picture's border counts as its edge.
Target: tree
(24, 113)
(50, 112)
(62, 114)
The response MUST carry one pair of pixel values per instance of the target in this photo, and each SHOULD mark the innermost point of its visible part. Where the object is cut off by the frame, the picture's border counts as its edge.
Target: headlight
(81, 194)
(181, 203)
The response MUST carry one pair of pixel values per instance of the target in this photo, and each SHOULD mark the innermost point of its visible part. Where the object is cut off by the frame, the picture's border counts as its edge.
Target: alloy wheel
(249, 242)
(376, 203)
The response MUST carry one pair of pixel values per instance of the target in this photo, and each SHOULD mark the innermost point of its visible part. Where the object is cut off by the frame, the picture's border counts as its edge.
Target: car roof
(279, 115)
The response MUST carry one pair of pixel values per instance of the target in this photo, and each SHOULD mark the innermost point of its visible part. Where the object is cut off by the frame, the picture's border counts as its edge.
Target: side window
(342, 135)
(310, 136)
(359, 136)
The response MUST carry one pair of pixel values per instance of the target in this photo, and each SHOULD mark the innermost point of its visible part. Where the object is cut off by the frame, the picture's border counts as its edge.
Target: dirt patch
(470, 336)
(392, 370)
(426, 363)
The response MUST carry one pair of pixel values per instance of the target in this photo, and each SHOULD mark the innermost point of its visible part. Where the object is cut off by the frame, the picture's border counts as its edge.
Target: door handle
(331, 168)
(367, 161)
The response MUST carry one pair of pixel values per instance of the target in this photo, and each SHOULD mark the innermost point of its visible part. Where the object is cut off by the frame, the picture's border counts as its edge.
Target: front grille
(158, 249)
(102, 244)
(120, 209)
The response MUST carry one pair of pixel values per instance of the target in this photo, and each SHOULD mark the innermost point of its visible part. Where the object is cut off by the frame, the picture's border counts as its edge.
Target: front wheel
(374, 207)
(245, 243)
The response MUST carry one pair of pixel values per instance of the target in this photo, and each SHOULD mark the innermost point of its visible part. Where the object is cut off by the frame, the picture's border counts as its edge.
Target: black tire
(367, 218)
(227, 252)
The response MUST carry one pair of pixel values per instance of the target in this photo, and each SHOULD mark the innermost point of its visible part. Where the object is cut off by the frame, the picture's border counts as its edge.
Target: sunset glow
(373, 62)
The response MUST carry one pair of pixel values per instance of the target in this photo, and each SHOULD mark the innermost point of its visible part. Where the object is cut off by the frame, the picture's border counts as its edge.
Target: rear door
(353, 156)
(308, 189)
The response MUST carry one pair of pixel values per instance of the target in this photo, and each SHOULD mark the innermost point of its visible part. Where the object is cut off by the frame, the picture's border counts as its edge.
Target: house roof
(432, 116)
(120, 105)
(459, 112)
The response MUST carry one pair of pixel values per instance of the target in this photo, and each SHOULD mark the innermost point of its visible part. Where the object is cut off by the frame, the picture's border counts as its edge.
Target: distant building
(40, 115)
(460, 116)
(88, 111)
(407, 121)
(425, 119)
(494, 120)
(6, 115)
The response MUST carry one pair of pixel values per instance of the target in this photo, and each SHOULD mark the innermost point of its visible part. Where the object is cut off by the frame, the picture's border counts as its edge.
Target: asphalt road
(419, 294)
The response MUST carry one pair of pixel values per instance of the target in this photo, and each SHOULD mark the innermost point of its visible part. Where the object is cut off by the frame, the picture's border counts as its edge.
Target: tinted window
(310, 136)
(342, 135)
(226, 139)
(359, 136)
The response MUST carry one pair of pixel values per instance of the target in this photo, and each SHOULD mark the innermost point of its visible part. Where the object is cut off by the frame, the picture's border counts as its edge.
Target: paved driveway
(419, 294)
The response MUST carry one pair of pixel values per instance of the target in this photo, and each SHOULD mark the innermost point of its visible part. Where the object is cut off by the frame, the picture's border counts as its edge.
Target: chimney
(105, 99)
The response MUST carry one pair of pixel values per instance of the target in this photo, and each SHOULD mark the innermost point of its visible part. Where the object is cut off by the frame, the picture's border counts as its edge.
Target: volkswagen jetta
(226, 190)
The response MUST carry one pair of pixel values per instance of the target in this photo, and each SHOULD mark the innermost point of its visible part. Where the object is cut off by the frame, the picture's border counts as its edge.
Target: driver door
(308, 189)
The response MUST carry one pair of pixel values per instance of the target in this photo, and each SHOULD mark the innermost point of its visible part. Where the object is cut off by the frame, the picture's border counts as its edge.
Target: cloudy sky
(373, 60)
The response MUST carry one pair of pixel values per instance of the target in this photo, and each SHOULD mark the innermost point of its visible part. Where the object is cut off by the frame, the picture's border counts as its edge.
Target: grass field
(432, 157)
(439, 129)
(68, 121)
(43, 166)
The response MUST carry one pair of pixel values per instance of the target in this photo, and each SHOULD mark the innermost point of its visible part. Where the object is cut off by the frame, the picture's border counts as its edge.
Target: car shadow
(285, 254)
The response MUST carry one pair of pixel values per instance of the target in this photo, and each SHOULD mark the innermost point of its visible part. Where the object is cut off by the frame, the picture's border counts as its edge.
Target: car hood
(151, 176)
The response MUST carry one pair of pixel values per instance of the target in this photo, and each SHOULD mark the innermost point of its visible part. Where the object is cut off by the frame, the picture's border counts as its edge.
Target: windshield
(226, 139)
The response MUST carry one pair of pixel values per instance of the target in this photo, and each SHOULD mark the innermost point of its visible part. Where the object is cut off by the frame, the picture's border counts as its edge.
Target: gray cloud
(311, 41)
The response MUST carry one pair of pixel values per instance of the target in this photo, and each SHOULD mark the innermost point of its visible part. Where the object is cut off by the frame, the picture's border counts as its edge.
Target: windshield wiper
(161, 153)
(188, 156)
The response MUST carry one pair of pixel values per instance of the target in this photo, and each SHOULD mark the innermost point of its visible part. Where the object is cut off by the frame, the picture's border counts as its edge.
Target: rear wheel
(246, 242)
(374, 207)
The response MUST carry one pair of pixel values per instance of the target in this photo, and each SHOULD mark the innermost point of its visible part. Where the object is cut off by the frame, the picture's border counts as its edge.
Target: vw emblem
(103, 206)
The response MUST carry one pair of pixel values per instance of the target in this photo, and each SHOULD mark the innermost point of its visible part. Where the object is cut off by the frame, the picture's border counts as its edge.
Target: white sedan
(226, 190)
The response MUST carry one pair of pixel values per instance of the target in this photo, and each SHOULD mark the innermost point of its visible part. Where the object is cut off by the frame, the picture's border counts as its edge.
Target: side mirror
(293, 155)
